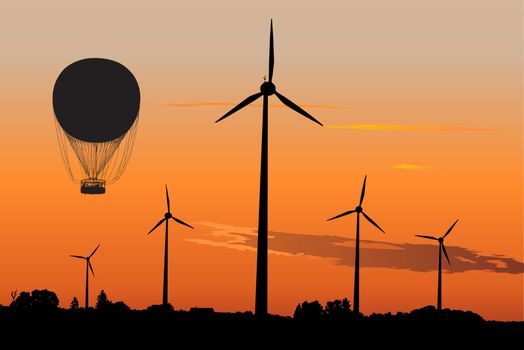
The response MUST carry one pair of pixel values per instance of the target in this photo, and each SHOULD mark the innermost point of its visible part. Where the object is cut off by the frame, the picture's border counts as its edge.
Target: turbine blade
(168, 203)
(296, 108)
(341, 215)
(159, 223)
(445, 253)
(451, 228)
(78, 256)
(372, 222)
(271, 53)
(90, 267)
(428, 237)
(94, 251)
(241, 105)
(181, 222)
(363, 191)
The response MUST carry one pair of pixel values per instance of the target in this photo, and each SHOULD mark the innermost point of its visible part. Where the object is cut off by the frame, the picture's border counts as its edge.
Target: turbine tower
(358, 209)
(88, 267)
(441, 248)
(166, 218)
(266, 89)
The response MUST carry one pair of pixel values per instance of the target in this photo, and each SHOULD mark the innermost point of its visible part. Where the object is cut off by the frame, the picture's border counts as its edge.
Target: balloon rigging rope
(120, 160)
(99, 161)
(62, 143)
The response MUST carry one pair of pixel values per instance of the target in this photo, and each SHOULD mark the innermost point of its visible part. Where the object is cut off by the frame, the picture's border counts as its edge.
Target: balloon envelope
(96, 100)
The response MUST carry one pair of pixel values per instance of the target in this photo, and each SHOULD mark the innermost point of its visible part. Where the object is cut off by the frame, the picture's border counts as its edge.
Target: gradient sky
(423, 97)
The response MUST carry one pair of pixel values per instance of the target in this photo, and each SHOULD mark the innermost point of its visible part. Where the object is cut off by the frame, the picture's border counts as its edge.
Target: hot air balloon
(96, 103)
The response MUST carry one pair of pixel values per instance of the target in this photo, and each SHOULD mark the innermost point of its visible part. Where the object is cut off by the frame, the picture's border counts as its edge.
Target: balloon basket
(92, 186)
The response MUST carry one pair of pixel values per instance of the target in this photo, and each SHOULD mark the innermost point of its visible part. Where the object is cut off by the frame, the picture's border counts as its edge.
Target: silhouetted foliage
(311, 321)
(37, 301)
(337, 310)
(119, 307)
(298, 312)
(22, 302)
(14, 293)
(308, 311)
(74, 304)
(102, 302)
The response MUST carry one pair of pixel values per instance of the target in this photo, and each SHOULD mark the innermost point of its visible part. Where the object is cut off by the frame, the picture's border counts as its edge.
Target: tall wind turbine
(266, 89)
(166, 218)
(441, 248)
(88, 267)
(358, 209)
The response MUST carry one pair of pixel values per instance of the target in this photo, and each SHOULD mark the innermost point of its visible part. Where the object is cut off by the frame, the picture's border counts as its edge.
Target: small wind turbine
(441, 248)
(266, 89)
(88, 267)
(358, 209)
(166, 218)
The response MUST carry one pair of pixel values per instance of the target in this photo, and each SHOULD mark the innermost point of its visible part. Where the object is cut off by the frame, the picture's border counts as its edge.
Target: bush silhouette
(337, 310)
(308, 311)
(38, 301)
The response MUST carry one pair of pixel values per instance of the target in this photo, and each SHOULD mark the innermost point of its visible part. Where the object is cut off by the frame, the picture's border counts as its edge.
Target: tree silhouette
(308, 311)
(14, 293)
(22, 302)
(74, 304)
(38, 301)
(298, 312)
(337, 309)
(102, 303)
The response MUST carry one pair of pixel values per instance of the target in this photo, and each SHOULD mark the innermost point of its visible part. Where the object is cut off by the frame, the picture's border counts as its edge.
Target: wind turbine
(358, 209)
(266, 89)
(88, 267)
(166, 218)
(441, 248)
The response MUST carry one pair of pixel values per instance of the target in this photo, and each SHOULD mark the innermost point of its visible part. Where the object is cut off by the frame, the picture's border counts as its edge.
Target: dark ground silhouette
(36, 317)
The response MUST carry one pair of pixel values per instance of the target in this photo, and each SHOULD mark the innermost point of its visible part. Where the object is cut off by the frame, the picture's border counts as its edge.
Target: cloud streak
(408, 166)
(213, 104)
(340, 250)
(393, 127)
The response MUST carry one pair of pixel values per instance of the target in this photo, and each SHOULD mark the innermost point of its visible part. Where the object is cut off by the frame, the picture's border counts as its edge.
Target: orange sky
(424, 99)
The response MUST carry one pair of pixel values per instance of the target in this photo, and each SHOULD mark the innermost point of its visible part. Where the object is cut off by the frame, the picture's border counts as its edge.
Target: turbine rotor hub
(441, 240)
(168, 215)
(358, 209)
(267, 88)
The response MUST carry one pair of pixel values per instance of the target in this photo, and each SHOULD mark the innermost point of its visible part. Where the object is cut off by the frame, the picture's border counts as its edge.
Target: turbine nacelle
(441, 240)
(359, 210)
(268, 88)
(168, 216)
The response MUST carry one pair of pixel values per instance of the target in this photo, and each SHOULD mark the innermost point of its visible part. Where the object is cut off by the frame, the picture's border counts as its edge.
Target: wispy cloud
(277, 105)
(407, 166)
(392, 127)
(340, 250)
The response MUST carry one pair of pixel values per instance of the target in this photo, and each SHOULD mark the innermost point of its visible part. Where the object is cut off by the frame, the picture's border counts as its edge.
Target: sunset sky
(425, 98)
